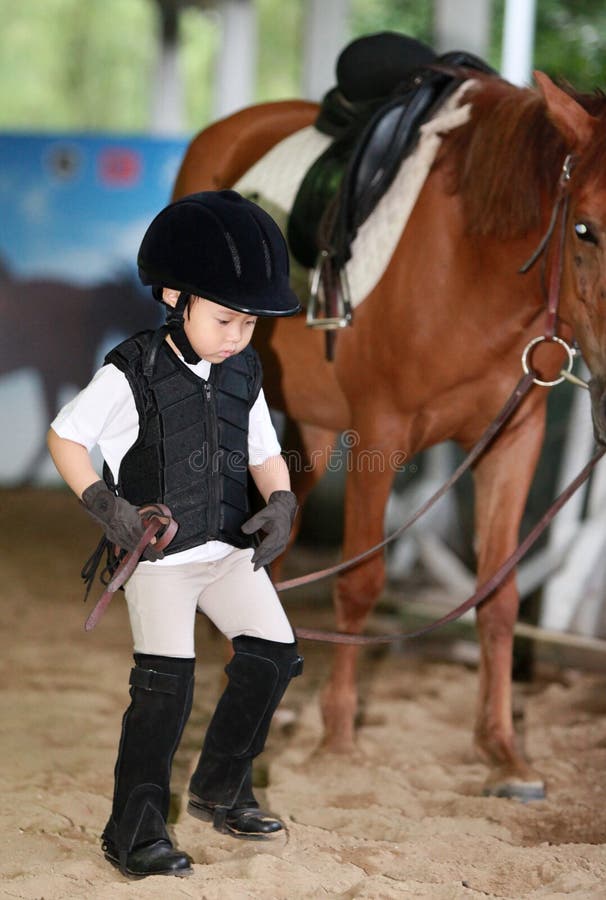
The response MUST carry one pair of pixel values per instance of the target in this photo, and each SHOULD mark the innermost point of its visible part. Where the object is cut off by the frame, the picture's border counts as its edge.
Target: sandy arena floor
(403, 818)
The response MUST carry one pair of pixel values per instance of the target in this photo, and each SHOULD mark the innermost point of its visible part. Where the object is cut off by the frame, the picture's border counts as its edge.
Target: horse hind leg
(307, 450)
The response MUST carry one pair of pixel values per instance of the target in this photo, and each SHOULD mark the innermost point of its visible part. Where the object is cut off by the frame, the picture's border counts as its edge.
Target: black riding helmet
(223, 247)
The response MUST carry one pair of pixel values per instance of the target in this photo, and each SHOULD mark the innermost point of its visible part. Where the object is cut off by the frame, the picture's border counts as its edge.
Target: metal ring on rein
(564, 373)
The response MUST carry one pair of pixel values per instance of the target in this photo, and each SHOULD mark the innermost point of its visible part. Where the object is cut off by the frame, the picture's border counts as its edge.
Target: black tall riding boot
(135, 838)
(221, 787)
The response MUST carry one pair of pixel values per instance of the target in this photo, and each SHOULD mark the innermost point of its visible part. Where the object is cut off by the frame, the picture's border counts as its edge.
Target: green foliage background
(74, 65)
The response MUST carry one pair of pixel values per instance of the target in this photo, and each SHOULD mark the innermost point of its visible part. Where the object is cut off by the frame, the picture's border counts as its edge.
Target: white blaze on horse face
(572, 121)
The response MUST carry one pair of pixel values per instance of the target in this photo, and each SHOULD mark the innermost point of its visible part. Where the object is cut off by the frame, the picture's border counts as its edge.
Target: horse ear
(572, 121)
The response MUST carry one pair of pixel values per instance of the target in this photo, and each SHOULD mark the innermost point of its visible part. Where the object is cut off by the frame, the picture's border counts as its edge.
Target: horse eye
(584, 233)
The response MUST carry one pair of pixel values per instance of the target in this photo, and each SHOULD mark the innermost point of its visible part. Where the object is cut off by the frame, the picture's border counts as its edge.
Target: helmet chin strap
(175, 328)
(175, 323)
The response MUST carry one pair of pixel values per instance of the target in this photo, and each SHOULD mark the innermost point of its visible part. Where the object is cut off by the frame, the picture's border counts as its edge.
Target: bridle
(559, 214)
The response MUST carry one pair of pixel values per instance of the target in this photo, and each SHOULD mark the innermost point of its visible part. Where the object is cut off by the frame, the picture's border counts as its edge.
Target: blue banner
(73, 210)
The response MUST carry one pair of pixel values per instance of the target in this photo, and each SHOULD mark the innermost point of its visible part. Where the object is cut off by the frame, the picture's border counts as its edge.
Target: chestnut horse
(435, 348)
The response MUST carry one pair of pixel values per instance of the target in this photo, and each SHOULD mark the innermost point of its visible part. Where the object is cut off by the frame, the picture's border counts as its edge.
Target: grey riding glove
(119, 519)
(275, 520)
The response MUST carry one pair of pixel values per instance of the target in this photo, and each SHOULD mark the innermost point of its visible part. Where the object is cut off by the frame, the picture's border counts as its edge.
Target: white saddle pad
(274, 180)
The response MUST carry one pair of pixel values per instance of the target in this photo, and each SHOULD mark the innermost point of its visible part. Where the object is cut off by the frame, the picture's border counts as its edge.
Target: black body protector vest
(191, 452)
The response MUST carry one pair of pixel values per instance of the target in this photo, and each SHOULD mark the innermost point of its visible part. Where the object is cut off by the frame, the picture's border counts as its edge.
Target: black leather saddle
(371, 138)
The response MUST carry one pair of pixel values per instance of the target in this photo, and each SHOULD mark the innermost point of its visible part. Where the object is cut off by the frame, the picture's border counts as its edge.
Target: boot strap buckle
(150, 680)
(296, 667)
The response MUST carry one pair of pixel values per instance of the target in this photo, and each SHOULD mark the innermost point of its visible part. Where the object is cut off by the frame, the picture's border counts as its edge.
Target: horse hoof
(524, 791)
(336, 748)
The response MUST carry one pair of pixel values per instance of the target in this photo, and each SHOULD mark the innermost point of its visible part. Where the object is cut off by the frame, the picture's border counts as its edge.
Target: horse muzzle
(597, 392)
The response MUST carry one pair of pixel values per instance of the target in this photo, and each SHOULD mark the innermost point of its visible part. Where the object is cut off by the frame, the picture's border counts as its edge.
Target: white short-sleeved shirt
(104, 414)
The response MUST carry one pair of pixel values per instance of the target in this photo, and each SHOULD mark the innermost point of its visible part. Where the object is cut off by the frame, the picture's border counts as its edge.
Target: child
(180, 418)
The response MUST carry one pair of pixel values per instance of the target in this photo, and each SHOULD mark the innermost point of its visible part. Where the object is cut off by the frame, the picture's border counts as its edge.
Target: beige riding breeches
(162, 604)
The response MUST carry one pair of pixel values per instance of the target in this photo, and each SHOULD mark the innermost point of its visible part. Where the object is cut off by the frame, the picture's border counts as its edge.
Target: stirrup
(317, 313)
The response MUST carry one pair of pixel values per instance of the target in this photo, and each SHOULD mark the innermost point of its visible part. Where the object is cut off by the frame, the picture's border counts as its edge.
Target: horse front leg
(502, 479)
(355, 595)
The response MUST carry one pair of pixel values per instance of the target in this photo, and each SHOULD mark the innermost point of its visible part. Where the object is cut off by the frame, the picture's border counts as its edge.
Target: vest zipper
(214, 500)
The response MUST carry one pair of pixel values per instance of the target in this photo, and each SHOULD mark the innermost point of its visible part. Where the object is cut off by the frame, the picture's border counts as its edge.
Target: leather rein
(158, 523)
(559, 214)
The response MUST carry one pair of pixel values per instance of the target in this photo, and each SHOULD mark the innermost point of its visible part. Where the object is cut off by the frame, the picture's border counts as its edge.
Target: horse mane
(507, 158)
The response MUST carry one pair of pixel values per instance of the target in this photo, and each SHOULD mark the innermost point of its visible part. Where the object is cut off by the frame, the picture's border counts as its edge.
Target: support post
(462, 25)
(168, 108)
(236, 70)
(325, 35)
(518, 41)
